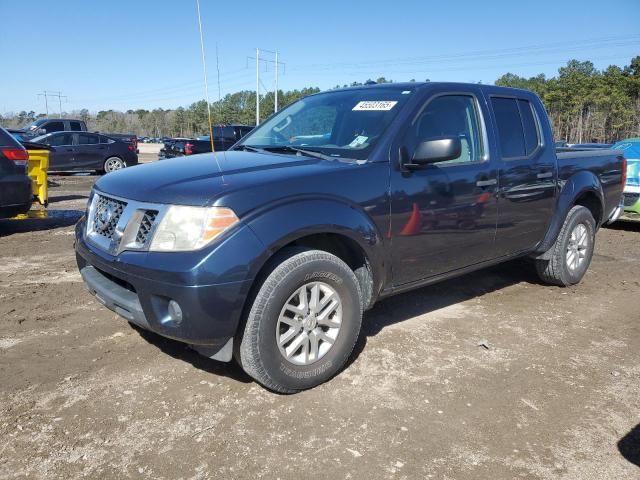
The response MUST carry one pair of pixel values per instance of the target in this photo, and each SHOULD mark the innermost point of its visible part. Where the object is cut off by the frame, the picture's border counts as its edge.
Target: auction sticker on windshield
(381, 105)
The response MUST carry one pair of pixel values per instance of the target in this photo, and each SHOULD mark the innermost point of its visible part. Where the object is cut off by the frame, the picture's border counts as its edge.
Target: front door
(443, 216)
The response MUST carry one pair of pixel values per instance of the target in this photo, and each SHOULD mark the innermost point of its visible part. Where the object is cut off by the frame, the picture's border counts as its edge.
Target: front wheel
(303, 323)
(112, 164)
(572, 251)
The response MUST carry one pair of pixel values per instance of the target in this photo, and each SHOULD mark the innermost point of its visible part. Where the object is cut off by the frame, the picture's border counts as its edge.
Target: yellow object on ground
(38, 164)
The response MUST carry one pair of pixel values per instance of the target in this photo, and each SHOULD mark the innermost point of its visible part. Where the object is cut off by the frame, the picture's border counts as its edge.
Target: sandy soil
(555, 395)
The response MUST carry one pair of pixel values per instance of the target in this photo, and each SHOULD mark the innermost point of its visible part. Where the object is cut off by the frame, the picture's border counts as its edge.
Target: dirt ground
(555, 395)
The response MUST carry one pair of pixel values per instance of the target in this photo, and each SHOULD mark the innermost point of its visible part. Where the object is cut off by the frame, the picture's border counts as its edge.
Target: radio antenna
(206, 89)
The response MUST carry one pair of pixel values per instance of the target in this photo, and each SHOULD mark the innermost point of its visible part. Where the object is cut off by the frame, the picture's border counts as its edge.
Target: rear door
(443, 216)
(527, 176)
(89, 152)
(61, 158)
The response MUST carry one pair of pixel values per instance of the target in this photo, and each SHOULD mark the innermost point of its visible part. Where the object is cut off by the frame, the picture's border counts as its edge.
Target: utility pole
(47, 94)
(257, 86)
(275, 103)
(46, 103)
(266, 61)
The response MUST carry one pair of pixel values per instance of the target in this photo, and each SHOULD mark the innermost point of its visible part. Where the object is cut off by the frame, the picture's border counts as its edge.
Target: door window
(54, 127)
(60, 139)
(449, 116)
(75, 126)
(87, 139)
(517, 127)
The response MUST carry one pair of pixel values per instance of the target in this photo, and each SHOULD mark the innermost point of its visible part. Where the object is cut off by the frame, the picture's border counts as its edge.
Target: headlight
(190, 228)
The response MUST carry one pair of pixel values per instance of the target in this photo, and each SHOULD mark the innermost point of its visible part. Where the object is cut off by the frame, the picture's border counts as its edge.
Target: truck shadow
(385, 313)
(182, 351)
(424, 300)
(626, 225)
(629, 445)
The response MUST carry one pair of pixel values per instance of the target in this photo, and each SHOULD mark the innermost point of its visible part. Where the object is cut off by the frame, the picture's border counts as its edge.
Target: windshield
(33, 125)
(341, 124)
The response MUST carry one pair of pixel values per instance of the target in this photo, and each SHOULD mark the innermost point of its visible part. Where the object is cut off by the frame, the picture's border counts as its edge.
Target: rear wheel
(112, 164)
(572, 251)
(303, 323)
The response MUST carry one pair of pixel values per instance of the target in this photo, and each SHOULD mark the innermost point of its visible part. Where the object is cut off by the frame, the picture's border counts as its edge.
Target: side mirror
(41, 131)
(436, 150)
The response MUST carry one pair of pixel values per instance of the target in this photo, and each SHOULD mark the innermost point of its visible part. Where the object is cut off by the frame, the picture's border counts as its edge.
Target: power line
(46, 96)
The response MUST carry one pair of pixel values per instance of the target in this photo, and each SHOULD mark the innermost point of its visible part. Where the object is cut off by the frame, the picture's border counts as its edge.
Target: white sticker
(381, 105)
(359, 140)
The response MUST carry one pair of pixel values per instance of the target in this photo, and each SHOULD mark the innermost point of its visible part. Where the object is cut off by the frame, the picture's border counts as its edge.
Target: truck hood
(198, 180)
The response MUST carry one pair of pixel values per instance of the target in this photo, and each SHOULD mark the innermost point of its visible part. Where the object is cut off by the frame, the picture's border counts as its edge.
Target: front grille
(630, 199)
(145, 226)
(106, 214)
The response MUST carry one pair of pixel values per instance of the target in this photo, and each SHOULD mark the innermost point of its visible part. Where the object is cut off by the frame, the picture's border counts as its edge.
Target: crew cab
(271, 252)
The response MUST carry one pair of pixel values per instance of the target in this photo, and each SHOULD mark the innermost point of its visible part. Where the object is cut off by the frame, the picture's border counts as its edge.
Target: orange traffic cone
(414, 225)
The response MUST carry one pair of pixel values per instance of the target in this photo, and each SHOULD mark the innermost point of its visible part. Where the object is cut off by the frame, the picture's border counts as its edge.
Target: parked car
(83, 151)
(16, 188)
(271, 252)
(630, 148)
(44, 126)
(223, 138)
(167, 149)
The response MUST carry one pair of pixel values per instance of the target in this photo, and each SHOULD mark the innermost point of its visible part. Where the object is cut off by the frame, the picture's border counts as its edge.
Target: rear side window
(85, 139)
(54, 127)
(529, 127)
(105, 139)
(61, 139)
(517, 129)
(75, 126)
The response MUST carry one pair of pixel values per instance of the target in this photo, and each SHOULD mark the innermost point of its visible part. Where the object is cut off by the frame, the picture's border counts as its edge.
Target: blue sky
(145, 54)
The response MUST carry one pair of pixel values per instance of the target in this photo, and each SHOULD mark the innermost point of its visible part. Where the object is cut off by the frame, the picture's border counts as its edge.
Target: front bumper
(632, 201)
(135, 286)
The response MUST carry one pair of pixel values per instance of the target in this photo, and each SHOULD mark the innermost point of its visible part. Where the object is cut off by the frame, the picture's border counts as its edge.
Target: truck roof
(419, 85)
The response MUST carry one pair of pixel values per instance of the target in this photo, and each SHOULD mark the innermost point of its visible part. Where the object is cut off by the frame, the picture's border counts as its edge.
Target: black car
(83, 151)
(16, 190)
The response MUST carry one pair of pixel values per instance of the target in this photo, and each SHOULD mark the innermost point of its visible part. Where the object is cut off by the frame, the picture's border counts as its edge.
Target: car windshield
(341, 124)
(33, 125)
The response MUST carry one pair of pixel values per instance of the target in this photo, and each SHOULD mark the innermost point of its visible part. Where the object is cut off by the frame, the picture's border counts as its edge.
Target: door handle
(542, 175)
(486, 183)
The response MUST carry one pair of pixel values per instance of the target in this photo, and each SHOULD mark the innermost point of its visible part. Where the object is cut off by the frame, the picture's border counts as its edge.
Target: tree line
(584, 104)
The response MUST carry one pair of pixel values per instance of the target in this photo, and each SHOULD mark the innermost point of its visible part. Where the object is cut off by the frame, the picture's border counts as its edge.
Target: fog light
(175, 312)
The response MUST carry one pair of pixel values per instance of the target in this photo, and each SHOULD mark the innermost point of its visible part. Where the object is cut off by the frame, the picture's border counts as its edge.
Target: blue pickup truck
(269, 253)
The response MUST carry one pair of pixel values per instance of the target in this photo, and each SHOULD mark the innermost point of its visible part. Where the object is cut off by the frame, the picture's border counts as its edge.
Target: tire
(112, 164)
(569, 258)
(267, 350)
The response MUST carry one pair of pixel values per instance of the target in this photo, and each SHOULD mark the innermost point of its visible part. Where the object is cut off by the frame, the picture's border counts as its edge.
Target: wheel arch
(583, 188)
(329, 225)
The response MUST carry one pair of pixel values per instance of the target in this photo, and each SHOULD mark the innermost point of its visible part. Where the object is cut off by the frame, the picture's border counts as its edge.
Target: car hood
(199, 180)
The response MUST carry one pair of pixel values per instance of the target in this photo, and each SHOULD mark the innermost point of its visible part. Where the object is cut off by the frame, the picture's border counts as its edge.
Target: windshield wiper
(247, 148)
(301, 151)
